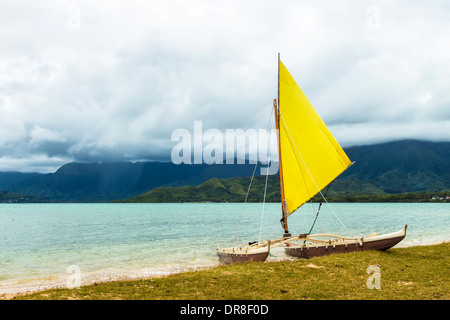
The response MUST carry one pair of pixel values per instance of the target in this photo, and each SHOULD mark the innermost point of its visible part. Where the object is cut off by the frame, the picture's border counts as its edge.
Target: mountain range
(97, 182)
(387, 168)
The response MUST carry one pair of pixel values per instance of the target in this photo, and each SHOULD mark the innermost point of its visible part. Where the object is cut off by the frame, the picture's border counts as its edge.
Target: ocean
(46, 245)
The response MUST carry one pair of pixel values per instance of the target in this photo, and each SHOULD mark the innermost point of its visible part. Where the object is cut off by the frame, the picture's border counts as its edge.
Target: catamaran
(309, 159)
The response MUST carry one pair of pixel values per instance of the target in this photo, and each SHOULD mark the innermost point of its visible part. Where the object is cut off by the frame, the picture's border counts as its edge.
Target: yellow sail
(310, 156)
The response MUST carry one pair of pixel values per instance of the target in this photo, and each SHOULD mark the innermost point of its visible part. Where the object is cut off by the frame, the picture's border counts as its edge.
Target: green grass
(415, 273)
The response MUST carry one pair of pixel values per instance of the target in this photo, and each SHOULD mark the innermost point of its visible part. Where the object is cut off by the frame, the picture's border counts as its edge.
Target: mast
(283, 220)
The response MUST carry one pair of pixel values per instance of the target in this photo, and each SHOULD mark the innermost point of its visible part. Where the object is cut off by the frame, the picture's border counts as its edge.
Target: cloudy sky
(111, 80)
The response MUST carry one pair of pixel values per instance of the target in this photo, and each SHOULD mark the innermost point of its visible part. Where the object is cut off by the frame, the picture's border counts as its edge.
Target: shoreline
(93, 278)
(13, 293)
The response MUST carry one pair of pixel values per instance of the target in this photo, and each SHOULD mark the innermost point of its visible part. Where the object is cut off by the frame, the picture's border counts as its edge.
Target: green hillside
(401, 166)
(9, 197)
(235, 190)
(215, 190)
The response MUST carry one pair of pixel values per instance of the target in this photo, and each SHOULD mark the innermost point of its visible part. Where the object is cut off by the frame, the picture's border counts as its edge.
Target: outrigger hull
(229, 257)
(374, 242)
(253, 251)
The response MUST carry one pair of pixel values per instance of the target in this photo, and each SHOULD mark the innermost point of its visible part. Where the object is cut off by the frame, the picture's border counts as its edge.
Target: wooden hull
(311, 250)
(231, 257)
(309, 246)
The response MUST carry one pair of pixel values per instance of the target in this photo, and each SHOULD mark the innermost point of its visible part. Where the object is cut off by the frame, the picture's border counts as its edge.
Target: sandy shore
(14, 291)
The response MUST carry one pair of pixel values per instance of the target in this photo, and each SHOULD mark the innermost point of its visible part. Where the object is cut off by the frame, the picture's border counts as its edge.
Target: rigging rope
(264, 201)
(318, 210)
(267, 176)
(249, 186)
(245, 202)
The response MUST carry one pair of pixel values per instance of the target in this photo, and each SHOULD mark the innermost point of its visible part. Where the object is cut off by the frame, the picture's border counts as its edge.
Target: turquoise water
(38, 242)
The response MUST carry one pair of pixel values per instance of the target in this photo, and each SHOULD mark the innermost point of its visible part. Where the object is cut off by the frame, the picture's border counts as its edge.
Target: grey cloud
(117, 87)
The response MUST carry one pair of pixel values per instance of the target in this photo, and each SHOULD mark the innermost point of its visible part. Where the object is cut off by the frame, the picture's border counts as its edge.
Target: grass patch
(415, 273)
